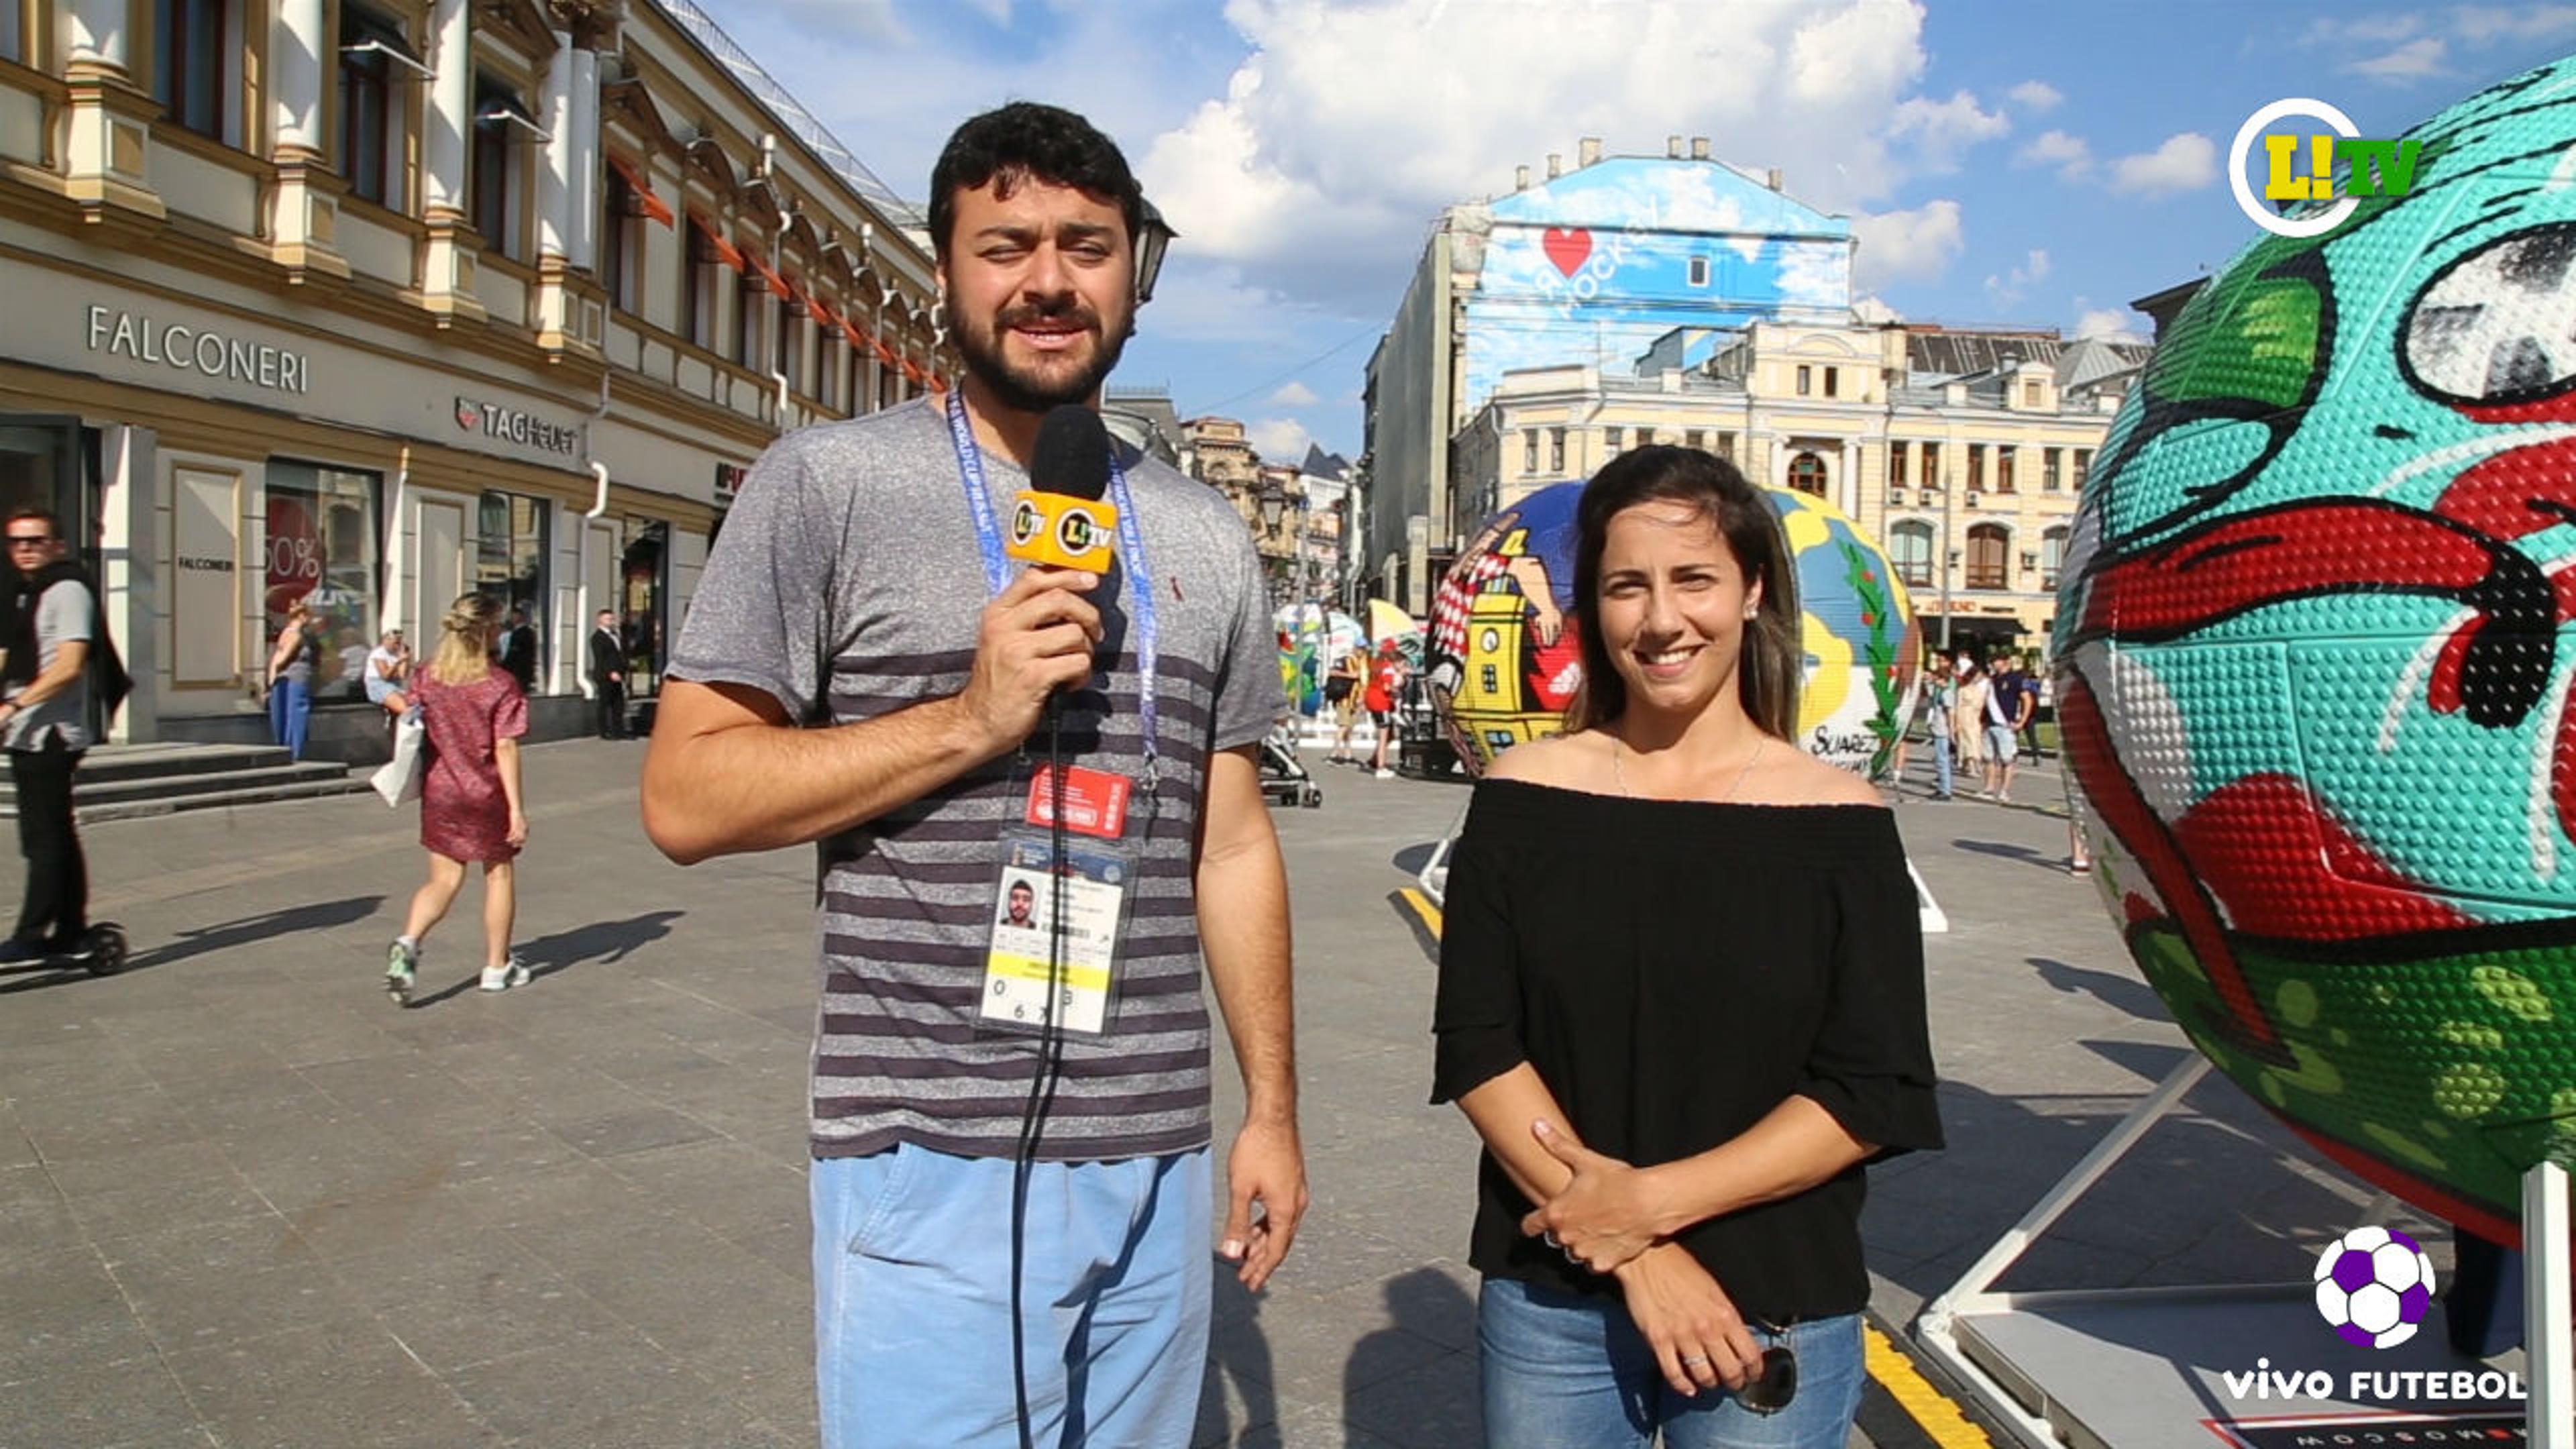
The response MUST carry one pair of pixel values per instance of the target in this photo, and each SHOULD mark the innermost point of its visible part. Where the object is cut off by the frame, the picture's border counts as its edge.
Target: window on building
(2048, 469)
(699, 269)
(13, 41)
(1695, 439)
(621, 245)
(1976, 467)
(1529, 450)
(2004, 468)
(193, 67)
(889, 387)
(1896, 464)
(1556, 450)
(1610, 441)
(2030, 392)
(1645, 437)
(1833, 382)
(1909, 547)
(2083, 466)
(323, 528)
(510, 557)
(495, 170)
(2052, 556)
(785, 356)
(1807, 474)
(1931, 465)
(371, 105)
(750, 301)
(1989, 552)
(1806, 380)
(1726, 446)
(1699, 271)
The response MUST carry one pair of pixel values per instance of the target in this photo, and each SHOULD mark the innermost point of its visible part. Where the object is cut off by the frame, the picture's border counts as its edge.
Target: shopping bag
(398, 779)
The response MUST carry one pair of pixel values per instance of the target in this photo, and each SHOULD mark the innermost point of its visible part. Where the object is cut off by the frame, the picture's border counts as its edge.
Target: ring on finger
(1695, 1360)
(1549, 1237)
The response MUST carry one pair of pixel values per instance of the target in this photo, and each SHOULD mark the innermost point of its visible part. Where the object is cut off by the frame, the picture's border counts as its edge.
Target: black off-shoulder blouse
(1674, 970)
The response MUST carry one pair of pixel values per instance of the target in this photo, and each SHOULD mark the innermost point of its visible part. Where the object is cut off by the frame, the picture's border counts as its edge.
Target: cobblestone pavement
(245, 1201)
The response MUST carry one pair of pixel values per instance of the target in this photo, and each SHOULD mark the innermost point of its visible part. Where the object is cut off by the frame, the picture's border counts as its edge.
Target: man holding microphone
(867, 668)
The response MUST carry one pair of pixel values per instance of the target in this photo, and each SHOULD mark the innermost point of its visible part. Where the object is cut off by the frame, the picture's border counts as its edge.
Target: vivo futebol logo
(2375, 1385)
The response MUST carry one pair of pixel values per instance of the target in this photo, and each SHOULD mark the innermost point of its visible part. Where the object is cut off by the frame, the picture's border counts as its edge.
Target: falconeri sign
(511, 425)
(201, 350)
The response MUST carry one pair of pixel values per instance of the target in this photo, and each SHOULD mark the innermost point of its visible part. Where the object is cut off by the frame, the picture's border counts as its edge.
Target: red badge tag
(1095, 801)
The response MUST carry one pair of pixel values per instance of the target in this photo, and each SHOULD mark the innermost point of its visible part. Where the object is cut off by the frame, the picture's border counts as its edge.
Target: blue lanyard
(998, 567)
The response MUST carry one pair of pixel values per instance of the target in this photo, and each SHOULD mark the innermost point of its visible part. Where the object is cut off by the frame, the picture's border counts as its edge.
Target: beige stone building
(1961, 452)
(367, 302)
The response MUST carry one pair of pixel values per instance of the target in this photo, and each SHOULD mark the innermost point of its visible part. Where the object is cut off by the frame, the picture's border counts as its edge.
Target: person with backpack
(55, 646)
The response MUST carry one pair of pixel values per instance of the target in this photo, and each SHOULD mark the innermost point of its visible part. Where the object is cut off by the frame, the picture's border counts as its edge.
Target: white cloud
(2416, 60)
(2483, 24)
(1279, 440)
(2360, 30)
(2117, 323)
(1294, 395)
(2185, 162)
(1294, 173)
(2036, 96)
(2005, 290)
(2071, 156)
(1940, 130)
(1916, 245)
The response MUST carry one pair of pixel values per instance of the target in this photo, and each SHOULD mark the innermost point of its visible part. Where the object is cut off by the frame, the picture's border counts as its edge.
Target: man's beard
(1024, 389)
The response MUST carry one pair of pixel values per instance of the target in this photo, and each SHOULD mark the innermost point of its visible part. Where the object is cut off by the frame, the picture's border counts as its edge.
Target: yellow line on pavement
(1926, 1405)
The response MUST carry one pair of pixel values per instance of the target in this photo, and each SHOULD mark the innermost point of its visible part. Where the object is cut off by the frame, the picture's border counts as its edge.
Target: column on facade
(587, 187)
(302, 215)
(555, 174)
(108, 121)
(447, 256)
(1847, 481)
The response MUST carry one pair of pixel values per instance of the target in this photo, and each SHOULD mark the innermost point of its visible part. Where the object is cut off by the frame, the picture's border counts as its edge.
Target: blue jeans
(912, 1300)
(1945, 764)
(290, 712)
(1561, 1370)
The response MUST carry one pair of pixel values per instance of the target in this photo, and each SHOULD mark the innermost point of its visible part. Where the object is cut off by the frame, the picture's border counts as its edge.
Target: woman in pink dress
(470, 805)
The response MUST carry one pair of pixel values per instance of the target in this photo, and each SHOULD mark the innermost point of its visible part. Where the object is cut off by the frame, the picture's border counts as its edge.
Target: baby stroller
(1285, 779)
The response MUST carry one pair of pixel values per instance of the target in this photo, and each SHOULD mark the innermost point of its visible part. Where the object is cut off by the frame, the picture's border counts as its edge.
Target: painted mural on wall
(1505, 659)
(1593, 267)
(2314, 643)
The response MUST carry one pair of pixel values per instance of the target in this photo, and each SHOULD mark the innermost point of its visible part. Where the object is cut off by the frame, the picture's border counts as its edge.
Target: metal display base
(2146, 1368)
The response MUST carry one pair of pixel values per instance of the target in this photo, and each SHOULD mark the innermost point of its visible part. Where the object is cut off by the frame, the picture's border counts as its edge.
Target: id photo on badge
(1023, 907)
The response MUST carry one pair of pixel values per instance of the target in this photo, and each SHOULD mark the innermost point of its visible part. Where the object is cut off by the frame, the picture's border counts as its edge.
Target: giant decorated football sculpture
(1505, 661)
(2316, 666)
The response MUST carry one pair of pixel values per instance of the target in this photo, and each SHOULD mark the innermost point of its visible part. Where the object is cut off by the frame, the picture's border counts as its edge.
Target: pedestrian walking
(1940, 720)
(1385, 687)
(2043, 695)
(472, 809)
(290, 678)
(2009, 702)
(1968, 717)
(1342, 692)
(608, 675)
(863, 671)
(1668, 1213)
(52, 628)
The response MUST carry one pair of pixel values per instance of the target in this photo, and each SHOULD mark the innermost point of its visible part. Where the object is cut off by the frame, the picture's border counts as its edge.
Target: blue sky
(2038, 163)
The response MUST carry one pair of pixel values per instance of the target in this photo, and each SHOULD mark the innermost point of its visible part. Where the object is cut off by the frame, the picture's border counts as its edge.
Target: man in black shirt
(608, 675)
(519, 651)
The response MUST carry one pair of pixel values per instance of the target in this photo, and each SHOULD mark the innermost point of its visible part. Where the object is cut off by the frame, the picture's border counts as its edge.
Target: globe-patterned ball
(2314, 666)
(1505, 661)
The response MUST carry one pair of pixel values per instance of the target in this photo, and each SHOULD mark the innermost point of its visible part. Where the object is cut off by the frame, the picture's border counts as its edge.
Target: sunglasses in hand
(1775, 1385)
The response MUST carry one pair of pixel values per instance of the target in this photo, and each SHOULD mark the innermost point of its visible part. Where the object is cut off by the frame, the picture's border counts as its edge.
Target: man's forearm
(1243, 928)
(760, 786)
(49, 683)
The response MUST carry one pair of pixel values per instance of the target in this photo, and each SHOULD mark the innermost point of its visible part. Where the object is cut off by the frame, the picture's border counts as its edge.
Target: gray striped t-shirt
(846, 582)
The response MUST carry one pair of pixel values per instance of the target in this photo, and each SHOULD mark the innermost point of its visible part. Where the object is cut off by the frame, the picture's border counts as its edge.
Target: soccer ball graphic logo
(2374, 1286)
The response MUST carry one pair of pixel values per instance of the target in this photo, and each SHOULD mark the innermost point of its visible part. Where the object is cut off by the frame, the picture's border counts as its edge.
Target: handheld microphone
(1064, 519)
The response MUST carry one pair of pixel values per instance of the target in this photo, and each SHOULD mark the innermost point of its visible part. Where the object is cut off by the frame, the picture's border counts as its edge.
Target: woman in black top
(1681, 999)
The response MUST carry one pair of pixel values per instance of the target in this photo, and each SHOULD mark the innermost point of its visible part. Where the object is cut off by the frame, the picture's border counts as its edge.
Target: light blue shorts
(912, 1300)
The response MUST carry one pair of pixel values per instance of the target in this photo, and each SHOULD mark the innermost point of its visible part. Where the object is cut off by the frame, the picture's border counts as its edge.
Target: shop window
(1807, 474)
(2052, 556)
(371, 105)
(642, 594)
(496, 170)
(510, 538)
(323, 527)
(1909, 547)
(1989, 545)
(195, 73)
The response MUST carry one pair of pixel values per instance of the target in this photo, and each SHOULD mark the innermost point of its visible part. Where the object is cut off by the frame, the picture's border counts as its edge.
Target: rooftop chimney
(1699, 148)
(1589, 149)
(1672, 148)
(1520, 178)
(1555, 164)
(1772, 178)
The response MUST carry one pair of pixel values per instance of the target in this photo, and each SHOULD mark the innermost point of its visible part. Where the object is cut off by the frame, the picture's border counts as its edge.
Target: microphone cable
(1049, 1066)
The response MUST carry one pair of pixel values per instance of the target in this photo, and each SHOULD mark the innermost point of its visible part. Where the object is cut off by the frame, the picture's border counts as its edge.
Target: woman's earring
(1753, 611)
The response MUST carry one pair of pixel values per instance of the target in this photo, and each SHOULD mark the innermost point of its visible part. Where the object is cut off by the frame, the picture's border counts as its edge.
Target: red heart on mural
(1567, 249)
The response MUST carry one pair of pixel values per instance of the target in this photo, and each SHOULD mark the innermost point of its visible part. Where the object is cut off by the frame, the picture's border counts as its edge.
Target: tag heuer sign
(510, 425)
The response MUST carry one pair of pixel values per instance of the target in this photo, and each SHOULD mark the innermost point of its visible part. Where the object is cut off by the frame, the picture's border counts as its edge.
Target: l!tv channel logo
(2374, 1286)
(2302, 167)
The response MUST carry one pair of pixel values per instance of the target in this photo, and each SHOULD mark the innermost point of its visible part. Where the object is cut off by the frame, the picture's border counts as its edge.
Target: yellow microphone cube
(1062, 531)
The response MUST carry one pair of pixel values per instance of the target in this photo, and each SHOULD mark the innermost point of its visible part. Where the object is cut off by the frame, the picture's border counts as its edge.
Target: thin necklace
(1620, 777)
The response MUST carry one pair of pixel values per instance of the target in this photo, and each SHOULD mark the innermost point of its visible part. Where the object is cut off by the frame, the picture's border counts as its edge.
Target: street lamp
(1152, 240)
(1272, 501)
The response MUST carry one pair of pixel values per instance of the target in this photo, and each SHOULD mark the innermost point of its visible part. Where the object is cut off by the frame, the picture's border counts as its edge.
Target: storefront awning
(725, 251)
(816, 309)
(655, 208)
(777, 284)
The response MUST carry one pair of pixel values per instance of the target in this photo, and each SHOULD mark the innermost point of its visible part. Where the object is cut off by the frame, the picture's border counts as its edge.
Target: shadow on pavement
(2123, 992)
(1238, 1355)
(2023, 853)
(1413, 858)
(1425, 1304)
(604, 941)
(267, 926)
